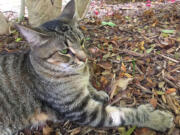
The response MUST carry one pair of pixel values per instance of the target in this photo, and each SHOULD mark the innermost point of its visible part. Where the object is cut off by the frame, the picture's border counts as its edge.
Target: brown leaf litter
(144, 48)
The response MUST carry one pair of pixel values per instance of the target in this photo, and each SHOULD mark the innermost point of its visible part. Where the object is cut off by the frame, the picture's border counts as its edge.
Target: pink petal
(148, 4)
(96, 12)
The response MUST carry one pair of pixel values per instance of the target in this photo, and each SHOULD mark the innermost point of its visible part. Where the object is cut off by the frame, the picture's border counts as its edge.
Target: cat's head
(57, 42)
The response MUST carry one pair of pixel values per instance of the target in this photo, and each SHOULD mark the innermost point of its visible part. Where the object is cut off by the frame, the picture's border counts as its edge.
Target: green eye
(64, 51)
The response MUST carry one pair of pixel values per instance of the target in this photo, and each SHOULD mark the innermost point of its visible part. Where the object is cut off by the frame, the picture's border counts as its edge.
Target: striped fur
(44, 81)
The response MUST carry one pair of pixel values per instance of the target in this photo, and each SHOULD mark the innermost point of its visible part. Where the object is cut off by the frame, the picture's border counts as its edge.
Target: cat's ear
(32, 36)
(68, 13)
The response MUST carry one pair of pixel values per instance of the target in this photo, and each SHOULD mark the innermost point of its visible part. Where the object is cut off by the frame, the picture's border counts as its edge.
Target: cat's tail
(96, 114)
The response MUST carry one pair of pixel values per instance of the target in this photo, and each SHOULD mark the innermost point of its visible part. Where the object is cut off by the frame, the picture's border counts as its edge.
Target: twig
(161, 106)
(86, 131)
(132, 53)
(139, 70)
(115, 101)
(171, 59)
(170, 83)
(174, 70)
(168, 76)
(9, 11)
(171, 104)
(133, 104)
(145, 90)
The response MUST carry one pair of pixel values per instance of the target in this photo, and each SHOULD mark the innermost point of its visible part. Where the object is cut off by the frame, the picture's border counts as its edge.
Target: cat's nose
(79, 54)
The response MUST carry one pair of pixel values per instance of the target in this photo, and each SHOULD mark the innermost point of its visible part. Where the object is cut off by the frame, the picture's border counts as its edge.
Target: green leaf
(158, 52)
(136, 49)
(127, 17)
(122, 130)
(110, 47)
(13, 31)
(18, 39)
(150, 49)
(107, 55)
(118, 58)
(99, 46)
(108, 23)
(165, 35)
(177, 55)
(88, 38)
(168, 31)
(160, 92)
(130, 131)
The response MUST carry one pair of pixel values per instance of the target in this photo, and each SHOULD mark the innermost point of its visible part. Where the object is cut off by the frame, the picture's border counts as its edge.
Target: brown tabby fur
(51, 80)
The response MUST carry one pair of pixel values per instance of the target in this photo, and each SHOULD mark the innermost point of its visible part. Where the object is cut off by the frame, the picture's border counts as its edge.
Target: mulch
(141, 46)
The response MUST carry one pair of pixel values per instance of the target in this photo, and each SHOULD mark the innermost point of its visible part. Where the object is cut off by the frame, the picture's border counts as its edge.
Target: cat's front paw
(5, 131)
(156, 119)
(101, 96)
(160, 120)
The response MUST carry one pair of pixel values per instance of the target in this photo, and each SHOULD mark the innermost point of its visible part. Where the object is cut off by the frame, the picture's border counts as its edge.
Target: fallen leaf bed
(140, 49)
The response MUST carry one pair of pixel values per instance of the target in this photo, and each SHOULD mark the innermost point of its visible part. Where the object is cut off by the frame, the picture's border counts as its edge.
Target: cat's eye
(82, 42)
(64, 51)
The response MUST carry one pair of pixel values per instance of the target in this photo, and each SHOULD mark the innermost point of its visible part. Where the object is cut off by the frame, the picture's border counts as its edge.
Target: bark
(82, 7)
(22, 10)
(4, 25)
(40, 11)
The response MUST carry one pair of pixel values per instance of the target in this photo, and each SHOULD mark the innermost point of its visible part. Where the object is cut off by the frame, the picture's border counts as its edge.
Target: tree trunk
(4, 25)
(40, 11)
(22, 10)
(82, 7)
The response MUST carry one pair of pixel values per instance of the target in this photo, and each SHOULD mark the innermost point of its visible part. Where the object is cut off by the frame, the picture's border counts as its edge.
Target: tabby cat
(51, 80)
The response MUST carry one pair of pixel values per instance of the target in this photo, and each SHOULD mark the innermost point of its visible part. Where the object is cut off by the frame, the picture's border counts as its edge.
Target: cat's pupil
(82, 42)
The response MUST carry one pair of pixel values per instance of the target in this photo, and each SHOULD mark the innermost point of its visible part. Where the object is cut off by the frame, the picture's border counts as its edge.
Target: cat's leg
(100, 115)
(157, 119)
(98, 95)
(146, 116)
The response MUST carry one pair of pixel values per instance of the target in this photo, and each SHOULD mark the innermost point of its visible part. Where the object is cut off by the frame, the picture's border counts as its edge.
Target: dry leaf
(121, 83)
(170, 90)
(83, 28)
(164, 99)
(105, 65)
(155, 23)
(47, 130)
(75, 131)
(144, 131)
(128, 75)
(142, 45)
(177, 120)
(153, 101)
(104, 81)
(123, 67)
(161, 84)
(171, 104)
